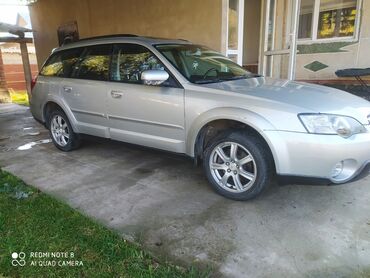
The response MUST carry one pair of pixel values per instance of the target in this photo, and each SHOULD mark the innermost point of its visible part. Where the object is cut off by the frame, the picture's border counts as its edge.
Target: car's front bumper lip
(285, 179)
(314, 156)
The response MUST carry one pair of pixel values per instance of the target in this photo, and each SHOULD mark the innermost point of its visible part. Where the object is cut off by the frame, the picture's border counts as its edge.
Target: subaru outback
(185, 98)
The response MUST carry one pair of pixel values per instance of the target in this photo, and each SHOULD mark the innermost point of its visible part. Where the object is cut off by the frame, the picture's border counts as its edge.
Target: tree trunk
(4, 93)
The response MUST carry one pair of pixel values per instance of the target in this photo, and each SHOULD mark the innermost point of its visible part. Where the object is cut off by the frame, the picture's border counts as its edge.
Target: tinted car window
(61, 63)
(130, 60)
(94, 64)
(202, 65)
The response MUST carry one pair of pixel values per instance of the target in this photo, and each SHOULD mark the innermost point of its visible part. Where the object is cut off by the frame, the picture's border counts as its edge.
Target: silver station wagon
(181, 97)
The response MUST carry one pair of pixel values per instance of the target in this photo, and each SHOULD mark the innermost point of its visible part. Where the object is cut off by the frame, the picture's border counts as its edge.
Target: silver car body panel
(88, 111)
(171, 118)
(311, 155)
(147, 115)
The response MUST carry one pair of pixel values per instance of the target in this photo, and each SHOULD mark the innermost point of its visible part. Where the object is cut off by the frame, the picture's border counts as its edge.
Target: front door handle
(67, 89)
(116, 94)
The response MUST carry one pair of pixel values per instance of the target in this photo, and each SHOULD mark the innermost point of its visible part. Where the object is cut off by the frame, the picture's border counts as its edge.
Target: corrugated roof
(13, 29)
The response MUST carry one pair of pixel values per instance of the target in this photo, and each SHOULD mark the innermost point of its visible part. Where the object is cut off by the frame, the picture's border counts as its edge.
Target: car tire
(243, 169)
(61, 132)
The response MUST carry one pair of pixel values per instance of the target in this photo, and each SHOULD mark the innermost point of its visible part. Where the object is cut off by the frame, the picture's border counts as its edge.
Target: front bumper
(362, 173)
(315, 156)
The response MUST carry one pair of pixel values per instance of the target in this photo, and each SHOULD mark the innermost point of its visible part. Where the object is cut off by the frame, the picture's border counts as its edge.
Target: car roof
(120, 38)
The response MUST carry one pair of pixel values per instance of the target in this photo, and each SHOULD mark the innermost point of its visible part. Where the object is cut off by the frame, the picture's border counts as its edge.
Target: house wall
(13, 65)
(337, 55)
(198, 21)
(202, 22)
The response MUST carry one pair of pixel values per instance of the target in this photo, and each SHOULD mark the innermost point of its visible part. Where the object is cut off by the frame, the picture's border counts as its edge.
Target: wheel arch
(53, 104)
(210, 124)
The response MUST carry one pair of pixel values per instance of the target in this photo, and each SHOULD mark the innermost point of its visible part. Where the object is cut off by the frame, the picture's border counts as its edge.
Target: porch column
(293, 40)
(26, 68)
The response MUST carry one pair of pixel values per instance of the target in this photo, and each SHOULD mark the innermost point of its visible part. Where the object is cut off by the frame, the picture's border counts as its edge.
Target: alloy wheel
(233, 167)
(60, 130)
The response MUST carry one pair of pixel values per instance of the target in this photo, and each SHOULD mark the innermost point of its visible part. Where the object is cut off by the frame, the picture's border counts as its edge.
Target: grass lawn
(19, 97)
(31, 221)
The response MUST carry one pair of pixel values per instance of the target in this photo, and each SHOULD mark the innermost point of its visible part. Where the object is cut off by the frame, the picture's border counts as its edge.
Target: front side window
(202, 65)
(94, 64)
(60, 63)
(327, 19)
(130, 60)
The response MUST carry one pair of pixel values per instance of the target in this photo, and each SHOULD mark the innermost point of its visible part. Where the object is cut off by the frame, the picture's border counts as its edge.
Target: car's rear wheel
(61, 132)
(237, 165)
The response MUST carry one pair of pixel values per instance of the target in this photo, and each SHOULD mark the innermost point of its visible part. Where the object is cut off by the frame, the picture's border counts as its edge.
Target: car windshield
(202, 65)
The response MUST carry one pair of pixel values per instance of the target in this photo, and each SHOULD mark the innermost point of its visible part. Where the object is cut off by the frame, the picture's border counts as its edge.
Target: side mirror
(154, 77)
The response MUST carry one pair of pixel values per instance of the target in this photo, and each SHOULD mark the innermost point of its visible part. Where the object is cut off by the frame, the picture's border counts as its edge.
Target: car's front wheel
(61, 132)
(238, 165)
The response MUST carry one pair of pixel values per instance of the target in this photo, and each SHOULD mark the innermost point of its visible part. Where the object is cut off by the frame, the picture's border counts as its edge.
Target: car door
(142, 114)
(86, 90)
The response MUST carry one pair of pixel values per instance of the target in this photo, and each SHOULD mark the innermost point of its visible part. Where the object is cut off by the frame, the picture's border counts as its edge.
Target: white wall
(355, 55)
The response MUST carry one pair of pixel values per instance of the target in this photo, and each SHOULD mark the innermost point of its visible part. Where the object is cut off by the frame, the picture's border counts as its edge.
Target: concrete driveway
(162, 201)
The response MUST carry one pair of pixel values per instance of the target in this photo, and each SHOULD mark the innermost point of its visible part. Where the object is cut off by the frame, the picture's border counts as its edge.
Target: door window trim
(177, 84)
(113, 45)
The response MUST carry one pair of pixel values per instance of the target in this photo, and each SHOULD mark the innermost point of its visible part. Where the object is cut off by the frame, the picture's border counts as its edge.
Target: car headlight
(331, 124)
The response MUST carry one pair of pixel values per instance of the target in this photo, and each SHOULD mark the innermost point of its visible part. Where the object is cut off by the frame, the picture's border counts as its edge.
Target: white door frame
(265, 53)
(239, 50)
(293, 40)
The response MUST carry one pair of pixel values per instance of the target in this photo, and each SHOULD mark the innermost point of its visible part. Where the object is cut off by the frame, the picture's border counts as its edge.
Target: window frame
(238, 52)
(176, 83)
(315, 24)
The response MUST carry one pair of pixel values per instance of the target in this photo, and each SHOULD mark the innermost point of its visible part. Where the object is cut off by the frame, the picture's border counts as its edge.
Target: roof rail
(108, 36)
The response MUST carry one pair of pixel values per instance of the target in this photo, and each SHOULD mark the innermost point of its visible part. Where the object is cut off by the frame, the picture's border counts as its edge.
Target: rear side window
(61, 63)
(94, 64)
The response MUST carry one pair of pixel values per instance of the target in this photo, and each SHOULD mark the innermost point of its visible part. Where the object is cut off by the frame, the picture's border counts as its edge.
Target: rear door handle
(67, 89)
(116, 94)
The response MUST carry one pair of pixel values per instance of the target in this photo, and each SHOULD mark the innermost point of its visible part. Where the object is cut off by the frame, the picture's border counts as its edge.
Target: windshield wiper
(216, 80)
(240, 77)
(206, 81)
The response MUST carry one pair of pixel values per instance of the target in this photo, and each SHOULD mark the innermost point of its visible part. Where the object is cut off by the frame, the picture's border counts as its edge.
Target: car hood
(306, 97)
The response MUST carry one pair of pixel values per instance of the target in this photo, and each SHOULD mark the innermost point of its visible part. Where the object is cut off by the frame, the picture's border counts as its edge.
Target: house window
(305, 19)
(327, 19)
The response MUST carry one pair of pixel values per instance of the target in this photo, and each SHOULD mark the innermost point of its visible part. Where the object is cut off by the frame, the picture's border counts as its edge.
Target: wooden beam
(16, 40)
(4, 93)
(26, 68)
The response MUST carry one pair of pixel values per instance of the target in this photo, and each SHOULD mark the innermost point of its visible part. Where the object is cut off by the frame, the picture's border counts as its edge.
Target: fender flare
(252, 119)
(61, 103)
